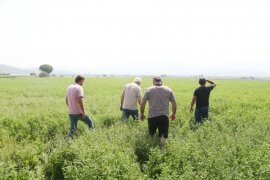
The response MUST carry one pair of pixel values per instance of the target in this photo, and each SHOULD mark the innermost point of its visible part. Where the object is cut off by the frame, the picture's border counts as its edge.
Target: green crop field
(233, 144)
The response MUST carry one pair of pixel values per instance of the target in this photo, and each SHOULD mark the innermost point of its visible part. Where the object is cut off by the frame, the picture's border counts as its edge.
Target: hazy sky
(185, 37)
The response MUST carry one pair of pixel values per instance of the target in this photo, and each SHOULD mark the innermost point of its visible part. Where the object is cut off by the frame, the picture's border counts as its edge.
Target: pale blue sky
(184, 37)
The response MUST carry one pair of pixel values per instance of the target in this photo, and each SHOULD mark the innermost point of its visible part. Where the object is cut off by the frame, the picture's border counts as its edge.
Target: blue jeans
(128, 112)
(201, 114)
(74, 118)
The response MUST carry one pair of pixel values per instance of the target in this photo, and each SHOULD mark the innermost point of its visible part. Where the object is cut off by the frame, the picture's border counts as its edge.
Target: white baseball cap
(137, 79)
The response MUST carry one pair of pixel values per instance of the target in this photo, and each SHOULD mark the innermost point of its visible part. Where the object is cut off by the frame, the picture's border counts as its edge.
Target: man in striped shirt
(159, 98)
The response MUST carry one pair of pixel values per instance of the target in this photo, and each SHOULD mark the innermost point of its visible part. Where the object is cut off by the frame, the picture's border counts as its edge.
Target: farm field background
(233, 144)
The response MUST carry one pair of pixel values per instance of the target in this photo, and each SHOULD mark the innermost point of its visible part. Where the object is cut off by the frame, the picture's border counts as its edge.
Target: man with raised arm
(159, 98)
(130, 99)
(74, 101)
(201, 98)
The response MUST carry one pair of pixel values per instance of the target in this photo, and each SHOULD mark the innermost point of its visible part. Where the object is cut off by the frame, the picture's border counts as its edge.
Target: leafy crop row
(233, 144)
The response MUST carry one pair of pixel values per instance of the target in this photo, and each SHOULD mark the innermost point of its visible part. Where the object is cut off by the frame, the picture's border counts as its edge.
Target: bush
(43, 74)
(33, 74)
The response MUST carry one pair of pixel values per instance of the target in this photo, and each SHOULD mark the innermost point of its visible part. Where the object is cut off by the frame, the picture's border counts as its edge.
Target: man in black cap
(201, 97)
(159, 98)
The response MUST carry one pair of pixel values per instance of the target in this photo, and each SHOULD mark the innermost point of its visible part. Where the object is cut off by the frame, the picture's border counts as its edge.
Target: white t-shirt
(132, 93)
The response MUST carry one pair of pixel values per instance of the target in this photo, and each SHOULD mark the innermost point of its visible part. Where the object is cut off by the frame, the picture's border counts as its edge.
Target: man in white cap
(159, 98)
(130, 99)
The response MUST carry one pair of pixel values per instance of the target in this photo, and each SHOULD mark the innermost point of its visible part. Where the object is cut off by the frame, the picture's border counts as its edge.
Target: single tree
(46, 68)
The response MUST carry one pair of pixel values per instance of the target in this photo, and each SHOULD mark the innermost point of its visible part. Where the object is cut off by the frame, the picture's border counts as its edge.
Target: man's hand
(83, 115)
(213, 84)
(193, 101)
(173, 117)
(142, 117)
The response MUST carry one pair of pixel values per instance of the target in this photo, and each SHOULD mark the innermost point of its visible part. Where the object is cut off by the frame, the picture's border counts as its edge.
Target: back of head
(79, 78)
(157, 81)
(138, 80)
(202, 81)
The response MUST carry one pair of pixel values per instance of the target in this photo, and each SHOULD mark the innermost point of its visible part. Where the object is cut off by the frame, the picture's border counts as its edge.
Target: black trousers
(161, 123)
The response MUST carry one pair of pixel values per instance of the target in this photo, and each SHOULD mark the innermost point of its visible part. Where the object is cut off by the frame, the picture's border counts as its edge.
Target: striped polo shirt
(159, 98)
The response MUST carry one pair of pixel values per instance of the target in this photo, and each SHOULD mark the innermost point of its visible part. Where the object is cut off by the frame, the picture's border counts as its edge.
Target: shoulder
(69, 86)
(135, 86)
(78, 87)
(72, 86)
(130, 85)
(167, 88)
(151, 88)
(197, 90)
(127, 85)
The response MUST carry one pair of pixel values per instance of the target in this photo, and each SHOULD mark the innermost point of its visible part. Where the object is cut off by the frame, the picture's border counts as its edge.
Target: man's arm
(82, 106)
(139, 97)
(174, 108)
(122, 101)
(139, 100)
(174, 105)
(67, 101)
(80, 96)
(212, 83)
(142, 110)
(144, 101)
(193, 101)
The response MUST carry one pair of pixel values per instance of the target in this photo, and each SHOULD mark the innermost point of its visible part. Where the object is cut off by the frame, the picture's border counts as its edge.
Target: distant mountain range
(6, 69)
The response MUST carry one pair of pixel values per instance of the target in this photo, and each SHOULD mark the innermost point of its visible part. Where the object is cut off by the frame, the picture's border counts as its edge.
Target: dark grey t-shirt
(159, 98)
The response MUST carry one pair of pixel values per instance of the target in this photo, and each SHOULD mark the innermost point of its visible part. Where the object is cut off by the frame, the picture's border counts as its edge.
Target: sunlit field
(233, 144)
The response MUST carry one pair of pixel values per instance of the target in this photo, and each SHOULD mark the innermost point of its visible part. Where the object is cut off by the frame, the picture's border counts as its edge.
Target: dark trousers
(127, 112)
(74, 118)
(161, 123)
(201, 114)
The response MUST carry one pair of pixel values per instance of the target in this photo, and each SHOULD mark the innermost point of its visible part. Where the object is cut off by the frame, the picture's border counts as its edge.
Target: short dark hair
(79, 78)
(202, 81)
